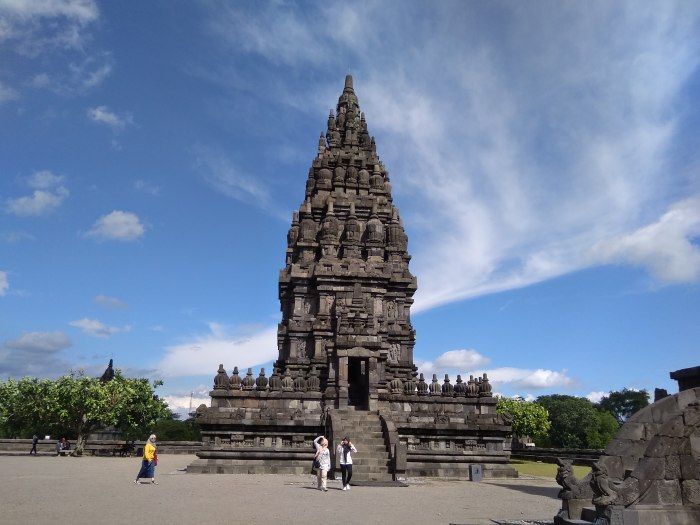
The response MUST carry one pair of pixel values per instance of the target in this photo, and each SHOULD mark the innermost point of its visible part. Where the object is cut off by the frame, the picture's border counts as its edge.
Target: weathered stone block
(651, 468)
(691, 416)
(694, 442)
(685, 398)
(691, 492)
(661, 446)
(690, 467)
(660, 410)
(673, 428)
(650, 430)
(631, 431)
(613, 465)
(663, 492)
(673, 467)
(623, 447)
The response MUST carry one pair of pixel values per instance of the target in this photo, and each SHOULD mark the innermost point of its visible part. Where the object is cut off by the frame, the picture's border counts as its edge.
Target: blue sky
(544, 156)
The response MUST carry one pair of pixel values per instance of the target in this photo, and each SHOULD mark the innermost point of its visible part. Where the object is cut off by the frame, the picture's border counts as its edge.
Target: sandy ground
(100, 491)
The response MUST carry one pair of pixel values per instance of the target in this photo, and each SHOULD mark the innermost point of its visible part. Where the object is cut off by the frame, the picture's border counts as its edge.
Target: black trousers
(346, 473)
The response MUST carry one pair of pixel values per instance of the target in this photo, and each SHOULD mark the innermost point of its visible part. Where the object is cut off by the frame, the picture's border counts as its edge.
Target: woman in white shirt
(344, 451)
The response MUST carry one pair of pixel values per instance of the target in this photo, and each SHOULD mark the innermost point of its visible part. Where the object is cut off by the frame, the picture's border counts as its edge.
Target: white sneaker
(348, 487)
(345, 487)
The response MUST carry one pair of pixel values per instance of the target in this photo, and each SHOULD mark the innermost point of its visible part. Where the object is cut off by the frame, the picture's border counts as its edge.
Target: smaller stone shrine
(650, 473)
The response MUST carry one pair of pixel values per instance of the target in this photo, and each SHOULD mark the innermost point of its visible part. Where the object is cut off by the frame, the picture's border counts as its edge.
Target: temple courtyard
(99, 490)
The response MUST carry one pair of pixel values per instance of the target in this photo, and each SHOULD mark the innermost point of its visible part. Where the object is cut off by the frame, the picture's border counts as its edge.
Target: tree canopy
(623, 403)
(529, 419)
(575, 422)
(78, 405)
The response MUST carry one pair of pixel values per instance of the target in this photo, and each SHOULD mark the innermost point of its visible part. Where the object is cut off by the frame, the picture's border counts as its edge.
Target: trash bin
(475, 473)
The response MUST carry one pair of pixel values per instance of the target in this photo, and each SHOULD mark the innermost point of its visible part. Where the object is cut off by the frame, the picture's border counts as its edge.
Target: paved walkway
(100, 491)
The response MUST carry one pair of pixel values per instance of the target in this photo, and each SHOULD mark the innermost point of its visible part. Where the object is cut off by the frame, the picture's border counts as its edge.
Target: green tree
(605, 431)
(573, 420)
(172, 429)
(529, 419)
(623, 403)
(80, 404)
(22, 405)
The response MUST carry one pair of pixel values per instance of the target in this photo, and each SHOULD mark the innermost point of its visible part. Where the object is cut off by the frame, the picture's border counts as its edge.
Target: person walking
(323, 457)
(149, 461)
(35, 441)
(345, 450)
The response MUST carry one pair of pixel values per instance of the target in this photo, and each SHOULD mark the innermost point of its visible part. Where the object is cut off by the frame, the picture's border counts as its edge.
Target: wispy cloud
(226, 178)
(521, 184)
(118, 225)
(471, 362)
(504, 182)
(6, 92)
(666, 247)
(40, 342)
(32, 25)
(4, 283)
(102, 115)
(110, 302)
(97, 328)
(221, 344)
(56, 37)
(49, 194)
(146, 187)
(34, 354)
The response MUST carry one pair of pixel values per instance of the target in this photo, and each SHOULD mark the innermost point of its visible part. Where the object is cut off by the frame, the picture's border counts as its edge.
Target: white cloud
(505, 377)
(4, 283)
(120, 225)
(39, 203)
(146, 187)
(110, 302)
(98, 328)
(595, 397)
(538, 378)
(40, 342)
(221, 174)
(504, 181)
(6, 92)
(514, 185)
(181, 404)
(44, 180)
(102, 115)
(201, 354)
(461, 359)
(665, 248)
(77, 78)
(34, 354)
(47, 25)
(48, 195)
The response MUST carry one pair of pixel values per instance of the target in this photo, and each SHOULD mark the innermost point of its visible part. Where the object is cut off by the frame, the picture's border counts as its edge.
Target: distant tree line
(73, 406)
(561, 421)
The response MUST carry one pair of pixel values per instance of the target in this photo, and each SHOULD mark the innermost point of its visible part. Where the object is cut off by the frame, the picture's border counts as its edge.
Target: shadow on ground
(550, 492)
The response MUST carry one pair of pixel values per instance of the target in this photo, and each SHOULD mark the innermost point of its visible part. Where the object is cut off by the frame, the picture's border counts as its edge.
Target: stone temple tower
(346, 290)
(345, 343)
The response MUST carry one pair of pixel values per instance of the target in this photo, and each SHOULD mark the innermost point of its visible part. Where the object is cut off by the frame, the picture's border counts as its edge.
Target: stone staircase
(371, 462)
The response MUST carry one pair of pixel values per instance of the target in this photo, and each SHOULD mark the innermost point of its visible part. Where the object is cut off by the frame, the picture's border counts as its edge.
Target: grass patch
(544, 470)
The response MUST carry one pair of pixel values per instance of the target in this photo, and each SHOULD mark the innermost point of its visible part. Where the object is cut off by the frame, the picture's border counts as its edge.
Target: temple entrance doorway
(358, 382)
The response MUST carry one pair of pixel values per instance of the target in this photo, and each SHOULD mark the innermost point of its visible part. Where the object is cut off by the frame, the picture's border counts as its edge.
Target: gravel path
(47, 490)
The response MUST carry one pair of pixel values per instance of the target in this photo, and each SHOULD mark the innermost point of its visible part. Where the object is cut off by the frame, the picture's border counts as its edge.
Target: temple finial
(348, 82)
